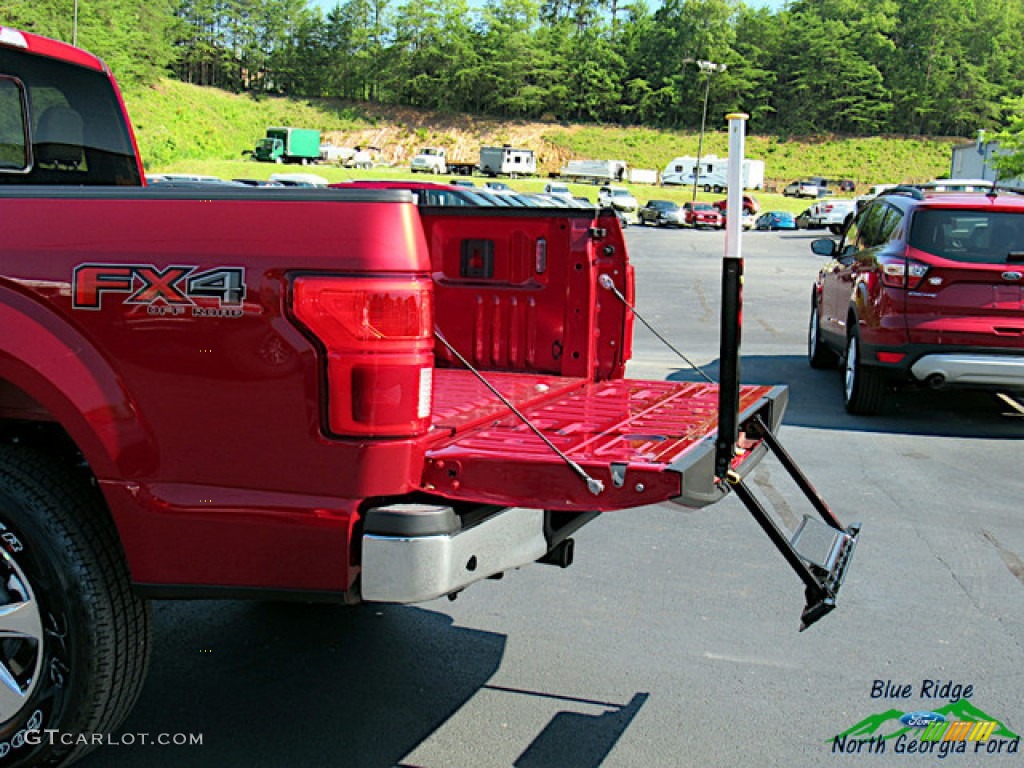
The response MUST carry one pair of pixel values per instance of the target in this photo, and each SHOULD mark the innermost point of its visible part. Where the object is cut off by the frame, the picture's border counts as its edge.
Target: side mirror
(825, 246)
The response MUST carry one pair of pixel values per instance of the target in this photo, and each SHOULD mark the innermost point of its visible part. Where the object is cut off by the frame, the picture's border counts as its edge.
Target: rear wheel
(818, 355)
(863, 388)
(74, 638)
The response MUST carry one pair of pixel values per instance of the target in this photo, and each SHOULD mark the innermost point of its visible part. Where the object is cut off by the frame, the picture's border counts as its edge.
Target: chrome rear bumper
(965, 370)
(414, 568)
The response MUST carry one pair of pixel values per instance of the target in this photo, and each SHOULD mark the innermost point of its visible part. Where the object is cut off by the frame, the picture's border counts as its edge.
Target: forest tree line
(816, 67)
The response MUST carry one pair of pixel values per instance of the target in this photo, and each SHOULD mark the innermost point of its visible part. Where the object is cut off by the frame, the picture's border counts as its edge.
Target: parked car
(803, 220)
(557, 189)
(619, 198)
(923, 288)
(698, 214)
(299, 179)
(805, 189)
(258, 182)
(773, 220)
(497, 186)
(661, 213)
(461, 183)
(750, 204)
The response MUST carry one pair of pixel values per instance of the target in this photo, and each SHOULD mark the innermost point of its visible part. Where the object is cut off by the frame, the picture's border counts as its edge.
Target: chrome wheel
(21, 639)
(850, 370)
(863, 387)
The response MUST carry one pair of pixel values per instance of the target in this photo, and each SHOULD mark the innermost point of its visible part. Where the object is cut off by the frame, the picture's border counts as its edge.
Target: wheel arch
(50, 374)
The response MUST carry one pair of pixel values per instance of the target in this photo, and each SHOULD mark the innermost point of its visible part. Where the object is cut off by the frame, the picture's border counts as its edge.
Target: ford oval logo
(921, 719)
(1012, 275)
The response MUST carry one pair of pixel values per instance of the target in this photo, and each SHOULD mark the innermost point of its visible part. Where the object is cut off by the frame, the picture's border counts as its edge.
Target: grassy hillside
(182, 127)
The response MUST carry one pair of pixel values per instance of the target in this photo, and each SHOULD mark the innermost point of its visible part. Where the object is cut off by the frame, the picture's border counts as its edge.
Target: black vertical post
(729, 361)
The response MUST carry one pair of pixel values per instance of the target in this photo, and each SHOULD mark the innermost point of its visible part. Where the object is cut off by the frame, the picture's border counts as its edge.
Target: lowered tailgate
(645, 441)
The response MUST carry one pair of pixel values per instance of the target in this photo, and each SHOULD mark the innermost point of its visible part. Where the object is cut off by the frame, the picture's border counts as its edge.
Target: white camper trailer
(713, 175)
(506, 161)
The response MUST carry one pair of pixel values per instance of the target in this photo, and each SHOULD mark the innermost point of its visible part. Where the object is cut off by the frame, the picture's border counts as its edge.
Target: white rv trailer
(713, 174)
(507, 161)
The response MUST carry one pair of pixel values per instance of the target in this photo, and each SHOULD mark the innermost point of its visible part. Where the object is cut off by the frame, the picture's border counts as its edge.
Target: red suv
(926, 288)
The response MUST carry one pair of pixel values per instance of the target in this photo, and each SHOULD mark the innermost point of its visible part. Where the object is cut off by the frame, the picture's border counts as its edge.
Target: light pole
(708, 68)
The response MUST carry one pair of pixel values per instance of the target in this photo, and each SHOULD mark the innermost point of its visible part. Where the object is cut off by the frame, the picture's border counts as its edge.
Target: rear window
(75, 122)
(980, 237)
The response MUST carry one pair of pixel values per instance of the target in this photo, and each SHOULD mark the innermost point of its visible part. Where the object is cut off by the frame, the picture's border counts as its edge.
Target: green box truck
(289, 145)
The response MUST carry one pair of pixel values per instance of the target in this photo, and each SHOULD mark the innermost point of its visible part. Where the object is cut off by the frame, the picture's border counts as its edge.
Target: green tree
(134, 37)
(433, 46)
(1011, 140)
(829, 76)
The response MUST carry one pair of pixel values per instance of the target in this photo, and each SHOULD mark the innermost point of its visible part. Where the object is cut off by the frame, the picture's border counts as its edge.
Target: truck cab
(288, 145)
(430, 160)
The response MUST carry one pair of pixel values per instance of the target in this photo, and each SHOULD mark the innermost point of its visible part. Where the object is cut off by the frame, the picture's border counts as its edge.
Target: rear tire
(76, 638)
(818, 355)
(863, 388)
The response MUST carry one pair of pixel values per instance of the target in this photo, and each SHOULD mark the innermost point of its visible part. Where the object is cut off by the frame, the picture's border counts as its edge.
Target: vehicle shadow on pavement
(276, 684)
(815, 400)
(291, 684)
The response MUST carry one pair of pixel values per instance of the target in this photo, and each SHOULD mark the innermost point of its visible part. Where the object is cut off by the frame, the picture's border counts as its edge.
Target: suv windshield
(981, 237)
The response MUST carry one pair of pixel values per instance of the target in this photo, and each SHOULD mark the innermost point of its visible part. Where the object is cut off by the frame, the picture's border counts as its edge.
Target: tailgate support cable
(594, 485)
(606, 282)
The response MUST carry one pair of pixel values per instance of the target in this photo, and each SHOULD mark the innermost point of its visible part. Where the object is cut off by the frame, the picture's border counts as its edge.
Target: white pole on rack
(732, 303)
(734, 180)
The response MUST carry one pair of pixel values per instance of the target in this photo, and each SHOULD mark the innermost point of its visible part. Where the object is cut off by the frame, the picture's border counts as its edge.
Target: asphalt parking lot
(672, 641)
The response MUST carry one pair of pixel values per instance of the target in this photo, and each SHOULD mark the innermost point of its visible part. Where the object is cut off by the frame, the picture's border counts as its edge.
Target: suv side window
(876, 225)
(890, 227)
(870, 230)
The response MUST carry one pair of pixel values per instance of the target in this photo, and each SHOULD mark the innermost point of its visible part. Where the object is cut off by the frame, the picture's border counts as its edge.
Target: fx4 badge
(171, 291)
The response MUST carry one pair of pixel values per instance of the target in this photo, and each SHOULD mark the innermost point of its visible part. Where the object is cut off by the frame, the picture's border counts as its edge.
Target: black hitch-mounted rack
(820, 551)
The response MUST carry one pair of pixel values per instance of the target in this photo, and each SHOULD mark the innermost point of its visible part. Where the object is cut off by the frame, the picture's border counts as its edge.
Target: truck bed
(646, 441)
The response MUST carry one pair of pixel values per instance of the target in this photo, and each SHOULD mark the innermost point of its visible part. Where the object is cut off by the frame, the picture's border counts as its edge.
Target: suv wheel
(862, 388)
(818, 355)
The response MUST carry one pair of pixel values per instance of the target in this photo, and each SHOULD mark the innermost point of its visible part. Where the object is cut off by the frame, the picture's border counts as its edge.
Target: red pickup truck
(325, 395)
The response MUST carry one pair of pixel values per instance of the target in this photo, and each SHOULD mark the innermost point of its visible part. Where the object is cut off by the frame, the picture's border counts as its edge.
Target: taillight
(903, 273)
(377, 333)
